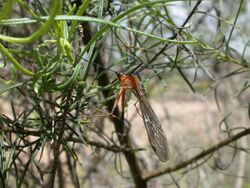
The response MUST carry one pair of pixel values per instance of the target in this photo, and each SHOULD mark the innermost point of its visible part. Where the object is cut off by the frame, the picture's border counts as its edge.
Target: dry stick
(202, 154)
(56, 148)
(38, 133)
(103, 80)
(111, 147)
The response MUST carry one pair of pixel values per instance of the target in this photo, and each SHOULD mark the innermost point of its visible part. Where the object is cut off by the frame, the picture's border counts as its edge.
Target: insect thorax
(128, 81)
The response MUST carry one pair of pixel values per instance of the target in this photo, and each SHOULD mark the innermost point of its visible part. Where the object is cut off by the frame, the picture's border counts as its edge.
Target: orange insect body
(128, 81)
(155, 133)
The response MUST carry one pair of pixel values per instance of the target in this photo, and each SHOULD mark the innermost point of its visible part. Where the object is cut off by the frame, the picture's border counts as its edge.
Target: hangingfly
(156, 135)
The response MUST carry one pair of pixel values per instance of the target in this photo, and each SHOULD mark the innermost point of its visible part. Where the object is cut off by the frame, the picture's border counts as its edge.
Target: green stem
(39, 32)
(14, 61)
(6, 9)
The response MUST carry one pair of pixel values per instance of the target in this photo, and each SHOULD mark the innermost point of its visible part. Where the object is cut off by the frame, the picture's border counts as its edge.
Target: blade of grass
(43, 29)
(6, 9)
(14, 61)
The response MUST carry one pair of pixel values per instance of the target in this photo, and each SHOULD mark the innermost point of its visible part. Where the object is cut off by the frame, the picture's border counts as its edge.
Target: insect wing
(156, 135)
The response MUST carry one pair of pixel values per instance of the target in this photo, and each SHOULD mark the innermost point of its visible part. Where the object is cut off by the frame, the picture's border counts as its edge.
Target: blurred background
(58, 83)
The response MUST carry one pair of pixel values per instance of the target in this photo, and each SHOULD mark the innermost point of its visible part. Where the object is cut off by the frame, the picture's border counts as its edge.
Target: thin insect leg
(137, 110)
(106, 114)
(123, 103)
(117, 100)
(119, 166)
(96, 64)
(141, 62)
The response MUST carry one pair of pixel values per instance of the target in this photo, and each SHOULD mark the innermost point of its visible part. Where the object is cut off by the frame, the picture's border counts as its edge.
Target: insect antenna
(141, 61)
(97, 64)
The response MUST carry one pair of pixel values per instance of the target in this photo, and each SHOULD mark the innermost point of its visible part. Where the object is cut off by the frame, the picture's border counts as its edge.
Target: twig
(37, 133)
(202, 154)
(179, 31)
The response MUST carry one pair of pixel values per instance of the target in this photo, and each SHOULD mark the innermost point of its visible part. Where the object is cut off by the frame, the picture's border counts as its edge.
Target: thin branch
(110, 147)
(22, 131)
(202, 154)
(231, 31)
(179, 31)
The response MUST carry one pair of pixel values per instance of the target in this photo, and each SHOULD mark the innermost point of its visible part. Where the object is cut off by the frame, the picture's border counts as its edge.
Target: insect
(156, 135)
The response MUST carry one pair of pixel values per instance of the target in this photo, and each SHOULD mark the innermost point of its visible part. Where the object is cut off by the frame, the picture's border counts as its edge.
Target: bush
(58, 87)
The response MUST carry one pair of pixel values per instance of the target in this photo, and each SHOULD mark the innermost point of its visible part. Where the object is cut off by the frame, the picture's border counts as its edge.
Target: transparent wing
(156, 135)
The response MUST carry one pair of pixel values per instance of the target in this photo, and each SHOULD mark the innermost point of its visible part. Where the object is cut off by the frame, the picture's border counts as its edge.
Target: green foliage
(52, 82)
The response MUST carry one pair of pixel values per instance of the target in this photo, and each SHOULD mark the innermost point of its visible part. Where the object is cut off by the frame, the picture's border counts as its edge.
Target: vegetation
(58, 85)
